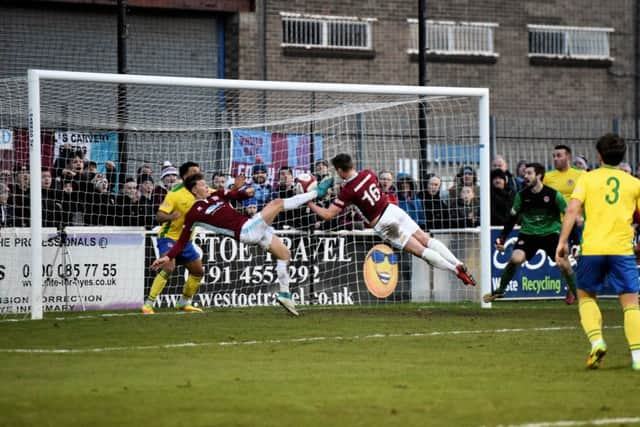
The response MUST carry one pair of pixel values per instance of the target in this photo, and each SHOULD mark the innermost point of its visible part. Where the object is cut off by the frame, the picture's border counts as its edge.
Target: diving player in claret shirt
(171, 215)
(215, 213)
(609, 197)
(391, 223)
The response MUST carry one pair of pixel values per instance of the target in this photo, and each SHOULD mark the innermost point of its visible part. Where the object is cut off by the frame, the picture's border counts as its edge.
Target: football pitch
(405, 365)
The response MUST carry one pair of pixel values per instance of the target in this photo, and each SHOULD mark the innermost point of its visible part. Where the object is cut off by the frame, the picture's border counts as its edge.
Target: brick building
(225, 39)
(555, 69)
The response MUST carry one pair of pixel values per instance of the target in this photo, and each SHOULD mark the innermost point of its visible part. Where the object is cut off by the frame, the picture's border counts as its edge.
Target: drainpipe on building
(636, 80)
(261, 60)
(122, 90)
(422, 81)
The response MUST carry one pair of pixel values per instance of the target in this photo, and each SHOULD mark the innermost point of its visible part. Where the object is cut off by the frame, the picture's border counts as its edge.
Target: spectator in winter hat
(250, 207)
(466, 177)
(500, 163)
(168, 180)
(581, 162)
(259, 183)
(501, 198)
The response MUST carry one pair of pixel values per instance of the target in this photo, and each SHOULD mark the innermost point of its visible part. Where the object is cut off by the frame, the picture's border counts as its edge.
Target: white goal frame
(35, 76)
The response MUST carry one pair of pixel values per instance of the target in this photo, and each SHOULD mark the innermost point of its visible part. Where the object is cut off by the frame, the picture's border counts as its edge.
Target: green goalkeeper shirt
(539, 213)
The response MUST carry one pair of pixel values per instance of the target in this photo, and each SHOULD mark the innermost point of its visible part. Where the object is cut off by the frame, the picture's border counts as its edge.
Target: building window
(326, 32)
(454, 38)
(557, 42)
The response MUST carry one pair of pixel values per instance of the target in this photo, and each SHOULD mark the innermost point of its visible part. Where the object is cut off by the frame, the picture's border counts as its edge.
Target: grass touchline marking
(597, 422)
(284, 340)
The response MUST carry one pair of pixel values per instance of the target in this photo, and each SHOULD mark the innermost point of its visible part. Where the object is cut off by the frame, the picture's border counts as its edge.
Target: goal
(107, 140)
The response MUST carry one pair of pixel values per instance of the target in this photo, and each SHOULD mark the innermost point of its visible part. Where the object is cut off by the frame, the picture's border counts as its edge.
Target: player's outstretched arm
(325, 213)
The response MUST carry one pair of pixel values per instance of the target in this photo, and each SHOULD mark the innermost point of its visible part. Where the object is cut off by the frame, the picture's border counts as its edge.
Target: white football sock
(282, 270)
(299, 200)
(436, 260)
(439, 247)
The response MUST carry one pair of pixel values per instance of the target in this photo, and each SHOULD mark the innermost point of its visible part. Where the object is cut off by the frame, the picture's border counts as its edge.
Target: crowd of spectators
(74, 192)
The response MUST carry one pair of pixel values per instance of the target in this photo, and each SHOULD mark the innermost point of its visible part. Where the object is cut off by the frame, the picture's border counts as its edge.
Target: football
(305, 182)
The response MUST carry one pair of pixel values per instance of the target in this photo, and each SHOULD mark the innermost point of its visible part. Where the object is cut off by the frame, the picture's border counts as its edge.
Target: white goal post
(35, 77)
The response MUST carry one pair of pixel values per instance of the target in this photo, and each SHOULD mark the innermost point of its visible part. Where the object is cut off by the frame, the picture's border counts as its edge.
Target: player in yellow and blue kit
(609, 198)
(171, 214)
(563, 179)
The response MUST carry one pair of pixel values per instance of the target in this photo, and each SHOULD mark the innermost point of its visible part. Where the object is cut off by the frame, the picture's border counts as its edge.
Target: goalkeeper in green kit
(538, 209)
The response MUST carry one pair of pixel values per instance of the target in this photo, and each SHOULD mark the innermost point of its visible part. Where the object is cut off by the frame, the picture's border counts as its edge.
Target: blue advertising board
(538, 278)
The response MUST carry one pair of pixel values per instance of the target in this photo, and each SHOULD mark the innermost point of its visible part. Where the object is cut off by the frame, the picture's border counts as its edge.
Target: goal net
(88, 165)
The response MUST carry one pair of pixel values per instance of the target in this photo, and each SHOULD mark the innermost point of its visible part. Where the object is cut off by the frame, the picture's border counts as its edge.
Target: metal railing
(329, 32)
(454, 38)
(552, 41)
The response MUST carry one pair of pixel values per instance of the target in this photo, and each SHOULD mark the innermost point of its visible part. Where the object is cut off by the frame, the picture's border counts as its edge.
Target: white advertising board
(103, 269)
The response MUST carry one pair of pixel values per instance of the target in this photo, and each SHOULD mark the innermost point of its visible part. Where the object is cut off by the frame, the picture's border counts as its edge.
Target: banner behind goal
(107, 141)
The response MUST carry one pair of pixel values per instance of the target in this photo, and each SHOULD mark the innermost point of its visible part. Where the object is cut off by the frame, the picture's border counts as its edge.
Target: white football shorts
(395, 226)
(256, 231)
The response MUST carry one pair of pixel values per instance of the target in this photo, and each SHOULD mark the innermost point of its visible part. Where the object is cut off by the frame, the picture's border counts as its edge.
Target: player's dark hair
(611, 148)
(342, 161)
(191, 181)
(184, 168)
(563, 147)
(216, 174)
(537, 167)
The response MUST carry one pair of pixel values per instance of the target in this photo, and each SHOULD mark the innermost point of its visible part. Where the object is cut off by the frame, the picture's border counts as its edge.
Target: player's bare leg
(283, 255)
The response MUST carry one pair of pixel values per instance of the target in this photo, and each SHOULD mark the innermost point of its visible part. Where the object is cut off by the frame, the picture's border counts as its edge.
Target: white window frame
(455, 35)
(569, 35)
(325, 22)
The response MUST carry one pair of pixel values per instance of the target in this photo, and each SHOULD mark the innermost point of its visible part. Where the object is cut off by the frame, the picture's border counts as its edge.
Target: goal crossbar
(34, 77)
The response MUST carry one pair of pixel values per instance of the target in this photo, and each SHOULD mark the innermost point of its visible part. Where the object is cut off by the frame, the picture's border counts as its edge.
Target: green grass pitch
(404, 365)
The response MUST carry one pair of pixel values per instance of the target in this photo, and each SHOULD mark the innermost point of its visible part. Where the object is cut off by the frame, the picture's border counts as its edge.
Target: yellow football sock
(590, 318)
(158, 285)
(632, 326)
(191, 286)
